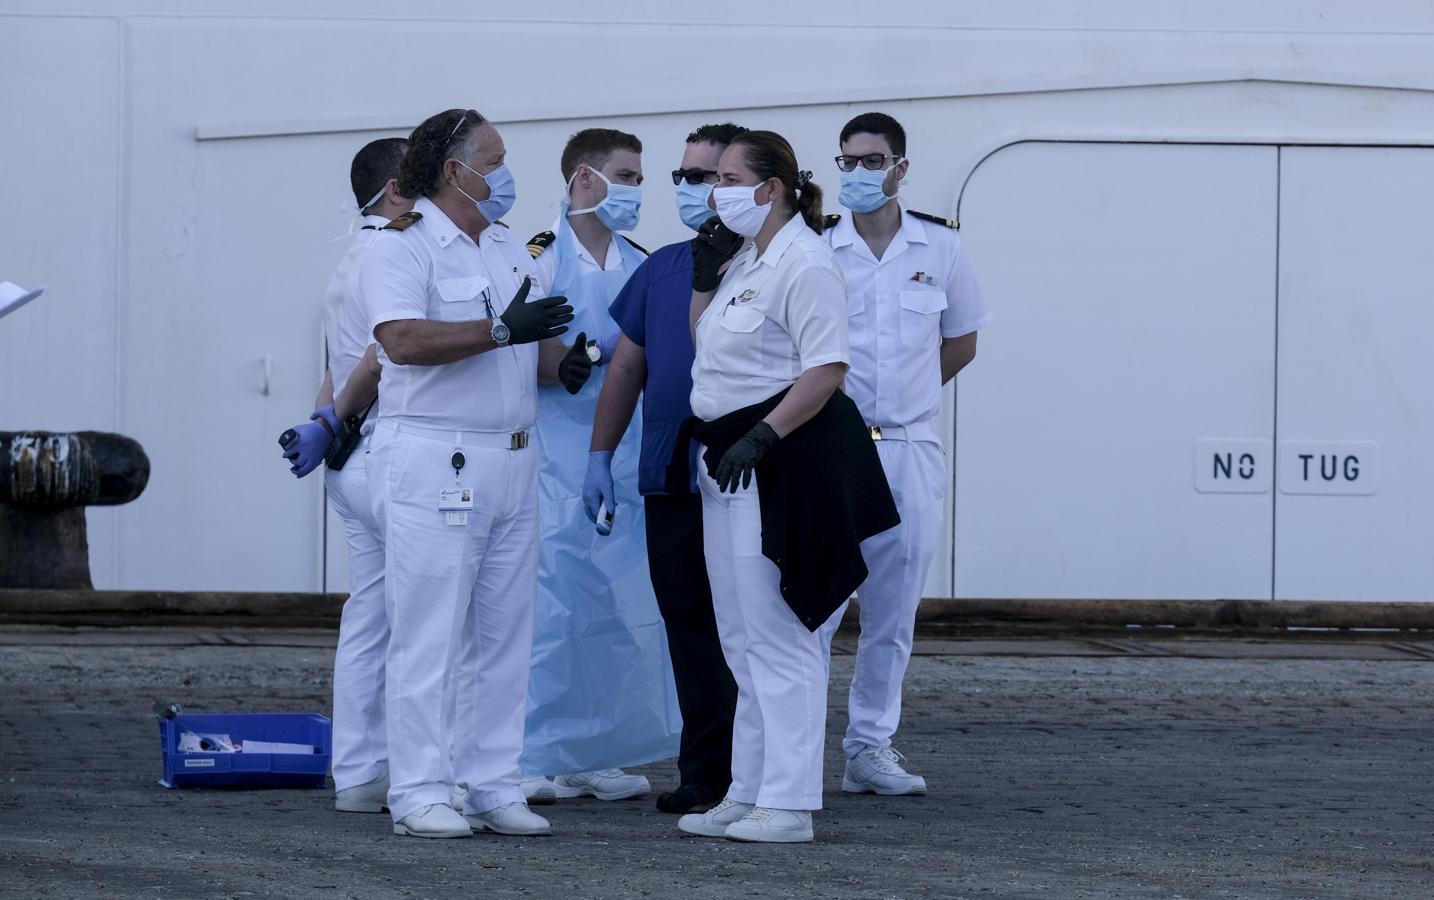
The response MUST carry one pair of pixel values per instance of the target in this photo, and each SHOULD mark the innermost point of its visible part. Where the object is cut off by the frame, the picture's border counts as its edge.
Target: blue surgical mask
(502, 191)
(861, 189)
(619, 210)
(692, 204)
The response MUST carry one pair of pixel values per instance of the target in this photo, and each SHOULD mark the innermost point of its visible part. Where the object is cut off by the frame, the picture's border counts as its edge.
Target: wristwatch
(500, 333)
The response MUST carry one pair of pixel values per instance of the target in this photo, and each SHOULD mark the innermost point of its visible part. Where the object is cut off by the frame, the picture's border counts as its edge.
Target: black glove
(741, 458)
(714, 245)
(576, 366)
(528, 322)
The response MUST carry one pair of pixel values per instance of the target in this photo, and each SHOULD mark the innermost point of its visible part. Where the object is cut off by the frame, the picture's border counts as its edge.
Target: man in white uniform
(914, 309)
(360, 747)
(453, 479)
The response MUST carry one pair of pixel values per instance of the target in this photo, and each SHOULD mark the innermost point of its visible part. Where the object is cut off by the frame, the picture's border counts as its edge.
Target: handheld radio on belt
(343, 443)
(346, 439)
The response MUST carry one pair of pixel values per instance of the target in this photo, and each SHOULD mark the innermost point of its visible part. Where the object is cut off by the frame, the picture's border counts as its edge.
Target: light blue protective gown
(600, 694)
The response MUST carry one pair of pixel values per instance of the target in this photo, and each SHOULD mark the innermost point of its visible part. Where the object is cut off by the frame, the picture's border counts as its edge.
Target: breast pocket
(741, 319)
(461, 299)
(921, 317)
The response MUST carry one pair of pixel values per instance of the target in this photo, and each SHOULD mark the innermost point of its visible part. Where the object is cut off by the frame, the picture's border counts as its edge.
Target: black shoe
(689, 798)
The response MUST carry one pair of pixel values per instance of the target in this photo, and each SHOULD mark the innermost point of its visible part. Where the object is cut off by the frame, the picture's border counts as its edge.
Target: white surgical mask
(738, 209)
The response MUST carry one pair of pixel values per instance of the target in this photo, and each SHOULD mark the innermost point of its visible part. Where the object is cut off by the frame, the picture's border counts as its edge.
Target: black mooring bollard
(46, 481)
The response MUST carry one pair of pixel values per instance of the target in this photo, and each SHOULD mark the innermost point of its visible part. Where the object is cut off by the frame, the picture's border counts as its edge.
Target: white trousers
(360, 742)
(460, 606)
(897, 561)
(779, 732)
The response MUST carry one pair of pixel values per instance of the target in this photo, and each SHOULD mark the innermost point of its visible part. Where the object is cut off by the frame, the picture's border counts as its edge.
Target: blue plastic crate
(248, 769)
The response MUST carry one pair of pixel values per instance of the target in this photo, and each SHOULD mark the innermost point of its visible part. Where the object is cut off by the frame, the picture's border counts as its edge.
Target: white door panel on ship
(1355, 508)
(1134, 289)
(232, 313)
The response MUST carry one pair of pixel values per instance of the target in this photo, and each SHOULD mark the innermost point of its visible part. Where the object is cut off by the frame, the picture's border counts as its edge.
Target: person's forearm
(806, 398)
(421, 342)
(326, 391)
(700, 301)
(362, 387)
(956, 354)
(618, 400)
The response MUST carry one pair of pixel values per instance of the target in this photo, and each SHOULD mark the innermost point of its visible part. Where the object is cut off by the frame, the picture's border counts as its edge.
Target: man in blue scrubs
(654, 357)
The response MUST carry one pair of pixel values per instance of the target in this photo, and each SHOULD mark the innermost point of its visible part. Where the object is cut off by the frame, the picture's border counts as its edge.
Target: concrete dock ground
(1133, 766)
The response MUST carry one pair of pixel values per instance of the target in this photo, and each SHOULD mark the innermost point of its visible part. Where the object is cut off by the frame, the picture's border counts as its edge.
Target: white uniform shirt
(547, 262)
(346, 332)
(432, 270)
(921, 291)
(772, 318)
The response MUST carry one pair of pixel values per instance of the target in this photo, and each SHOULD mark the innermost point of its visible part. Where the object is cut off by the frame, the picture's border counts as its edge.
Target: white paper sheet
(12, 297)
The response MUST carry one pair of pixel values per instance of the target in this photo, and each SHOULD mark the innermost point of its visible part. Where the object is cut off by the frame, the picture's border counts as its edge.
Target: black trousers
(706, 692)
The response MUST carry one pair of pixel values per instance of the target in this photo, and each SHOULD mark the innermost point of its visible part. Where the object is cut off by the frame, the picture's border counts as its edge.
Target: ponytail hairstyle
(448, 134)
(770, 156)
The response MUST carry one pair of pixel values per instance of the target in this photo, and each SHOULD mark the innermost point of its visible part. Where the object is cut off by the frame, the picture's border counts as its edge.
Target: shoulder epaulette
(403, 221)
(830, 221)
(636, 246)
(540, 242)
(939, 220)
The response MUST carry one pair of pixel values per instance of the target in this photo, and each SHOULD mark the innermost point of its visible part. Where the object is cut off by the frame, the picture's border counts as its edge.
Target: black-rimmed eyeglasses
(873, 161)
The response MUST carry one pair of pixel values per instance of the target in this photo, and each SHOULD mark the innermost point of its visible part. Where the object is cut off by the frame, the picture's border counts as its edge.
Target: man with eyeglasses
(654, 358)
(914, 308)
(454, 480)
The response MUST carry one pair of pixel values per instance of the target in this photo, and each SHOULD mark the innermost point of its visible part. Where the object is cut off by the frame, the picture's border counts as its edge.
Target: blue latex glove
(598, 490)
(308, 451)
(608, 346)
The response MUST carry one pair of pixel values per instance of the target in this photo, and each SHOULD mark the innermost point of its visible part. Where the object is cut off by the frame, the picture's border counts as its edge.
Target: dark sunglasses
(692, 176)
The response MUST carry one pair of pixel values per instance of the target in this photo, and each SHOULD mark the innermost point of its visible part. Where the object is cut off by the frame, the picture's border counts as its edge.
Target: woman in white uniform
(790, 482)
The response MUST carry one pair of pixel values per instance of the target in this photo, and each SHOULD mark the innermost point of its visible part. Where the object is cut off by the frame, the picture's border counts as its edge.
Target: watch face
(500, 332)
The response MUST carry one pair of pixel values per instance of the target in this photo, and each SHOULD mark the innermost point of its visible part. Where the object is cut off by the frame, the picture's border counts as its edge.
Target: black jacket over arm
(822, 492)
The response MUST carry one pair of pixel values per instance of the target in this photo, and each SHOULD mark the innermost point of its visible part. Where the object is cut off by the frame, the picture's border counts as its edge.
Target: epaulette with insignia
(540, 242)
(636, 246)
(830, 221)
(403, 221)
(939, 220)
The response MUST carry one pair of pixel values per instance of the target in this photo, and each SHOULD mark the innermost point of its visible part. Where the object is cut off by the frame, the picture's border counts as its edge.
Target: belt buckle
(519, 441)
(876, 432)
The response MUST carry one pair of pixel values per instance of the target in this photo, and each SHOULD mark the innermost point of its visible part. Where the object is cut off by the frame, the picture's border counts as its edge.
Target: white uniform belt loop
(492, 440)
(919, 431)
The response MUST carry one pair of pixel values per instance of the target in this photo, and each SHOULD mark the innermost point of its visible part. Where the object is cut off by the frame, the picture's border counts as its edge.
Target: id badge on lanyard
(456, 502)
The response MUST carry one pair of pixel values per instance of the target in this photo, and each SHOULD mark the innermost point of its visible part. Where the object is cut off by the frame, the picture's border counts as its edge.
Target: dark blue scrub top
(652, 309)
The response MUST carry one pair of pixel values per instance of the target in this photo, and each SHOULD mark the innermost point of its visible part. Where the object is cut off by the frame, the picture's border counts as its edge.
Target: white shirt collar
(375, 221)
(444, 231)
(782, 240)
(910, 229)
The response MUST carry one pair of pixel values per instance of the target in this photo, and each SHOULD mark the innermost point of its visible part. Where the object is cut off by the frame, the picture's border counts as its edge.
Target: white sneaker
(714, 822)
(772, 826)
(604, 784)
(369, 797)
(539, 791)
(510, 818)
(874, 771)
(436, 820)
